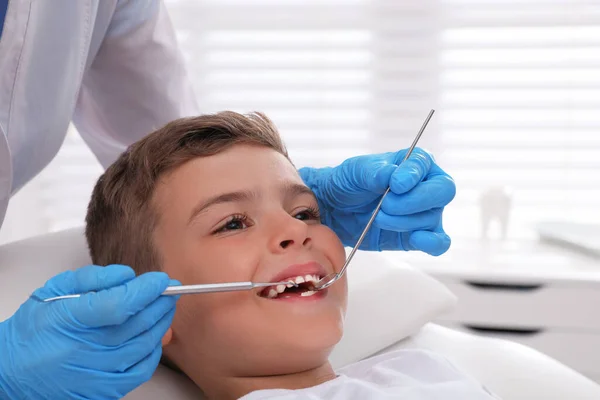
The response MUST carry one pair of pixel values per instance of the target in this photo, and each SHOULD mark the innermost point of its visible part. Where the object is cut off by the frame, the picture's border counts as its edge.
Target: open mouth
(305, 288)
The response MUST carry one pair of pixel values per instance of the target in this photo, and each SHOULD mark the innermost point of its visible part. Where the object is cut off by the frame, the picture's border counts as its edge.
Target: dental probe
(330, 279)
(203, 288)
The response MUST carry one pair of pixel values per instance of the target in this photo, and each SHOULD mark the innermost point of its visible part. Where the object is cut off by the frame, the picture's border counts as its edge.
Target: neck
(236, 387)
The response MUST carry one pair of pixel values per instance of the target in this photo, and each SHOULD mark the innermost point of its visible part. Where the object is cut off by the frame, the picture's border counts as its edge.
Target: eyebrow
(292, 189)
(231, 197)
(289, 189)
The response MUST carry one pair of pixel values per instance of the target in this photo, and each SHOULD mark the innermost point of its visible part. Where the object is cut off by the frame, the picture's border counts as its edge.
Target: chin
(317, 339)
(295, 361)
(321, 335)
(301, 347)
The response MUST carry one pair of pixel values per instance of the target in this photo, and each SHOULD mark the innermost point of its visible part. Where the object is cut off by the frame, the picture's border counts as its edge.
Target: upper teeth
(274, 291)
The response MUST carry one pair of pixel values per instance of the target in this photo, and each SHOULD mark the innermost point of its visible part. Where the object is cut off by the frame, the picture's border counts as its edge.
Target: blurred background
(516, 85)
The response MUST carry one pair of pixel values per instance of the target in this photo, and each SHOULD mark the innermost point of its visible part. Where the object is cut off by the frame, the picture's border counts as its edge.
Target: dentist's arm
(136, 83)
(99, 346)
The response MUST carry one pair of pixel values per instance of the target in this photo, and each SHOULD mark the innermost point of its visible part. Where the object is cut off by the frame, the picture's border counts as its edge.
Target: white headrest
(387, 302)
(27, 264)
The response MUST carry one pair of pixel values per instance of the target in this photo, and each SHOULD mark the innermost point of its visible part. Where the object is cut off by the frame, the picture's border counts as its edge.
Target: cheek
(205, 314)
(206, 325)
(327, 242)
(201, 319)
(213, 261)
(342, 291)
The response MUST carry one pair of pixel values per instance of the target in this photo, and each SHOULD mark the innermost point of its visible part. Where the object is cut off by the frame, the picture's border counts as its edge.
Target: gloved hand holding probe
(101, 345)
(411, 214)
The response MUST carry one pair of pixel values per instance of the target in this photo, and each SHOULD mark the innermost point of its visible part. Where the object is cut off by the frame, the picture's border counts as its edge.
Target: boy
(216, 199)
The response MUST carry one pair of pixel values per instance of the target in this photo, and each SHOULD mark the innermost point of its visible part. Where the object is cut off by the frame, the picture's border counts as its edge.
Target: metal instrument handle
(208, 288)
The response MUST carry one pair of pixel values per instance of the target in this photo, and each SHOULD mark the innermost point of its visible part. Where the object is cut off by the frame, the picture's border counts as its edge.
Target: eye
(234, 223)
(308, 214)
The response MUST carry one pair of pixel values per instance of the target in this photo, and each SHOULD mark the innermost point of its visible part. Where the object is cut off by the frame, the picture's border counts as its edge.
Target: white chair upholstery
(510, 370)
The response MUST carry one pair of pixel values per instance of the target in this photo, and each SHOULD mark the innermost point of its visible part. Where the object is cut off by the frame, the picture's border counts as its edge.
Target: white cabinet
(544, 297)
(561, 321)
(527, 305)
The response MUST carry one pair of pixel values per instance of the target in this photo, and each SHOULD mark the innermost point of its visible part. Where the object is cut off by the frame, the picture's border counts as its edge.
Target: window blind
(520, 94)
(516, 86)
(324, 71)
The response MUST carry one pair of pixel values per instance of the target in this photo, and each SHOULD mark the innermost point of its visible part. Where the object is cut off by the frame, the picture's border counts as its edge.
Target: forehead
(237, 168)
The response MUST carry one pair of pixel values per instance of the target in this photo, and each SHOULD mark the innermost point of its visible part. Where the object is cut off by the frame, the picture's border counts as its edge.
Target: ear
(166, 339)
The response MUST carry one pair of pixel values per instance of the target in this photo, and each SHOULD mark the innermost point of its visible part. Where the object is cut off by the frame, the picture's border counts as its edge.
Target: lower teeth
(273, 294)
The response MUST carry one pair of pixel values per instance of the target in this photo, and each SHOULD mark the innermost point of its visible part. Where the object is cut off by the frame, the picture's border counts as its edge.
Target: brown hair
(120, 218)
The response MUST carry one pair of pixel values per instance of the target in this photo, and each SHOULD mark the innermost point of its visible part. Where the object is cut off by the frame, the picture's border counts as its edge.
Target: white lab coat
(110, 66)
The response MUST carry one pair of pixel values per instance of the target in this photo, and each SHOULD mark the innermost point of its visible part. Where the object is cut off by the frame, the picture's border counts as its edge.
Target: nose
(289, 233)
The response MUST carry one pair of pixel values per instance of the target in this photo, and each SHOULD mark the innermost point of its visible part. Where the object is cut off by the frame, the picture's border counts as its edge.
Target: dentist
(114, 69)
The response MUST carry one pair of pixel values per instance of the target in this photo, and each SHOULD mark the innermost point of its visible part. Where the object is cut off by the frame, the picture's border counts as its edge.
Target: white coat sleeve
(136, 83)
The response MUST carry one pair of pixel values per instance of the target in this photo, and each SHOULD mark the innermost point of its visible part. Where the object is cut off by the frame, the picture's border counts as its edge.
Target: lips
(296, 270)
(301, 274)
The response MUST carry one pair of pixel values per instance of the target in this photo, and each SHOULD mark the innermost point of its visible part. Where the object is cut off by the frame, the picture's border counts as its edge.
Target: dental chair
(390, 307)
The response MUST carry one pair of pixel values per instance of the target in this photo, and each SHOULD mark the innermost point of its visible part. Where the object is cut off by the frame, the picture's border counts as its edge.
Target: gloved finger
(426, 220)
(433, 243)
(436, 192)
(412, 171)
(140, 322)
(116, 305)
(123, 357)
(379, 180)
(86, 279)
(129, 380)
(371, 173)
(143, 370)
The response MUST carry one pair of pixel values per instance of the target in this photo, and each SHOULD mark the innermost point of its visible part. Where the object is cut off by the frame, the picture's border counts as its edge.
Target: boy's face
(246, 215)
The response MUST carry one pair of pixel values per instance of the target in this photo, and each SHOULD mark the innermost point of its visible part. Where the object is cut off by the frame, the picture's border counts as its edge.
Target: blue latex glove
(99, 346)
(411, 214)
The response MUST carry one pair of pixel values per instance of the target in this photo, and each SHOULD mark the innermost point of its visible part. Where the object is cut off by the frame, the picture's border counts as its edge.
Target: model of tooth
(495, 204)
